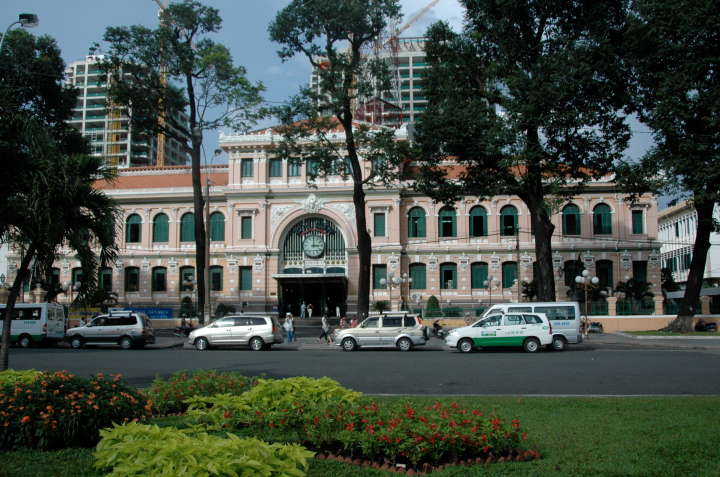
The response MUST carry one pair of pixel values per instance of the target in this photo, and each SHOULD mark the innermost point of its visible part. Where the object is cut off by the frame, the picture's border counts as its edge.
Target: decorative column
(612, 305)
(705, 305)
(658, 305)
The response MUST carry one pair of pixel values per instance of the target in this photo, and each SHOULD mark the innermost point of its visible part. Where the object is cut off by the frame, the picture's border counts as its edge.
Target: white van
(36, 323)
(564, 316)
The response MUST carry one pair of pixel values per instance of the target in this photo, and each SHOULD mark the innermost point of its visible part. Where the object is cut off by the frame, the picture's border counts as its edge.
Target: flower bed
(58, 410)
(169, 395)
(415, 438)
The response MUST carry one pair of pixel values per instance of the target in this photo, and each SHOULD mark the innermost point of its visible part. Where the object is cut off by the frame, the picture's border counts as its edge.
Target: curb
(678, 338)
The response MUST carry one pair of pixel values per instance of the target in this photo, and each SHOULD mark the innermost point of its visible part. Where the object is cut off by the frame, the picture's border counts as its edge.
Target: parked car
(389, 330)
(256, 331)
(36, 323)
(595, 327)
(128, 329)
(526, 330)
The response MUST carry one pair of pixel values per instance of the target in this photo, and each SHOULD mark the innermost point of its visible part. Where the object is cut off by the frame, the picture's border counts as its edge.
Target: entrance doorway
(328, 295)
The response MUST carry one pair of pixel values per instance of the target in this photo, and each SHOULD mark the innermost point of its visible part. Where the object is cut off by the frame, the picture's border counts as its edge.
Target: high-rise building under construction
(108, 127)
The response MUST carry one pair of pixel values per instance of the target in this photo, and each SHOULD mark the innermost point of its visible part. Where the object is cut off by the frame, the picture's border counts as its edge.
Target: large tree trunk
(200, 258)
(12, 298)
(691, 303)
(544, 229)
(364, 250)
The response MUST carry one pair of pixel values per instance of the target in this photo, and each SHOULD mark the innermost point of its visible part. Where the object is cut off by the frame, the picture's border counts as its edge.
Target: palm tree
(60, 208)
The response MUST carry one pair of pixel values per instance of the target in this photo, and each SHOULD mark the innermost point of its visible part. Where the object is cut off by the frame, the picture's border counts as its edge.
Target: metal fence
(635, 307)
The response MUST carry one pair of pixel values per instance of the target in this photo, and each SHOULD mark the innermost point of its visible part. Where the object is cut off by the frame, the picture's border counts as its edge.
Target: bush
(13, 378)
(432, 308)
(432, 435)
(223, 309)
(136, 450)
(168, 396)
(453, 311)
(61, 410)
(381, 305)
(272, 407)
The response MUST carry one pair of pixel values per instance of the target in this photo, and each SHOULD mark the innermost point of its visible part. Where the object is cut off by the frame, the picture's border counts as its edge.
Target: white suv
(527, 330)
(126, 328)
(258, 332)
(390, 330)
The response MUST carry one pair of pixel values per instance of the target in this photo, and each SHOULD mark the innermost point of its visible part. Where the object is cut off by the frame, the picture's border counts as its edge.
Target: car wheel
(559, 343)
(531, 345)
(404, 344)
(25, 341)
(257, 344)
(201, 344)
(76, 342)
(126, 343)
(348, 344)
(465, 345)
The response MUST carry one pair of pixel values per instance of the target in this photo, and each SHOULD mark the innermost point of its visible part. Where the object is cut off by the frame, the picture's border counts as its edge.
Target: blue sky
(77, 24)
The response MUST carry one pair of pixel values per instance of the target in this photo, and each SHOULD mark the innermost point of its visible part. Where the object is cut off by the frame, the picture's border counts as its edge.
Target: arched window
(447, 222)
(602, 220)
(508, 220)
(571, 220)
(478, 222)
(604, 272)
(573, 268)
(448, 276)
(217, 227)
(133, 229)
(160, 231)
(478, 275)
(132, 279)
(416, 222)
(216, 278)
(509, 274)
(105, 279)
(187, 227)
(159, 279)
(187, 278)
(417, 273)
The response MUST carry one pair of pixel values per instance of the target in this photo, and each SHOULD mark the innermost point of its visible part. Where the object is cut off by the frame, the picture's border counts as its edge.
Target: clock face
(313, 245)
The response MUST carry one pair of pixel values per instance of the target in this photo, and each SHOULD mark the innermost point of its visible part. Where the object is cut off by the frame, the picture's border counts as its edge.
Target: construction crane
(161, 117)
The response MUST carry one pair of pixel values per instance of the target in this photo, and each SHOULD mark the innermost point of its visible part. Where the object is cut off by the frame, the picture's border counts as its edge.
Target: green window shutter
(159, 279)
(478, 222)
(132, 279)
(217, 227)
(216, 278)
(379, 224)
(275, 167)
(246, 169)
(571, 220)
(602, 220)
(509, 274)
(508, 220)
(105, 279)
(245, 278)
(379, 272)
(604, 272)
(447, 223)
(417, 273)
(448, 276)
(640, 270)
(293, 168)
(479, 273)
(416, 223)
(637, 222)
(187, 227)
(160, 228)
(246, 227)
(133, 229)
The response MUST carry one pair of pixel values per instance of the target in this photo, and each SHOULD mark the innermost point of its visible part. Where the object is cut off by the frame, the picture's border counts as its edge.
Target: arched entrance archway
(313, 267)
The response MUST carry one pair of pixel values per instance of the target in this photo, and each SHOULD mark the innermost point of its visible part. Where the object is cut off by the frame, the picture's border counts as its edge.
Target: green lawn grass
(673, 333)
(663, 436)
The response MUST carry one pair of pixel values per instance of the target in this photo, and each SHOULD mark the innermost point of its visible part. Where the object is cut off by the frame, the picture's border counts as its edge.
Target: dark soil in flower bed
(426, 468)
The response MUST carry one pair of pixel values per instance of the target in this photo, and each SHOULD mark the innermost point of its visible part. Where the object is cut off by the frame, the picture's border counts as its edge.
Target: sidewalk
(628, 341)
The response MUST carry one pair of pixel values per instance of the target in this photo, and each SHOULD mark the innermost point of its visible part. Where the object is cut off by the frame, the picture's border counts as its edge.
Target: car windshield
(489, 321)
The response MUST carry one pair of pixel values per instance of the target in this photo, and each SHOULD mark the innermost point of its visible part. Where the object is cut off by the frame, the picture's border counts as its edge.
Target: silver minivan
(257, 331)
(390, 330)
(125, 328)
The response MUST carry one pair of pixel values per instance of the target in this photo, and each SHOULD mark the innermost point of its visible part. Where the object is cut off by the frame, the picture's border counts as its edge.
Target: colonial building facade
(276, 241)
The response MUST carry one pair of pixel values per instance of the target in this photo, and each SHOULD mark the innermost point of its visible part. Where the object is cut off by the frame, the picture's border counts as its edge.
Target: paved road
(610, 367)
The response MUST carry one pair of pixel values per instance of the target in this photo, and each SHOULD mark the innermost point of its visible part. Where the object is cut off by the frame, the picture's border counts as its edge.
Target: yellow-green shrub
(138, 450)
(271, 405)
(10, 377)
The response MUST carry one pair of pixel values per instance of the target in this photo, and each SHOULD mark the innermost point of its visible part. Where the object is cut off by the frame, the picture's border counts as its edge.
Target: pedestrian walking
(289, 327)
(309, 310)
(325, 331)
(302, 310)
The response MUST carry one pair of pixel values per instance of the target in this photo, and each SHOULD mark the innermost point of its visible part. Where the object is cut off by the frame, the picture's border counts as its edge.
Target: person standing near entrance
(325, 331)
(302, 310)
(309, 310)
(289, 327)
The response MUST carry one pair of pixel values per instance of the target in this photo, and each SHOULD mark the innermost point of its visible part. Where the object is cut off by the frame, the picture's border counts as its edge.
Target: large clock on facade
(313, 246)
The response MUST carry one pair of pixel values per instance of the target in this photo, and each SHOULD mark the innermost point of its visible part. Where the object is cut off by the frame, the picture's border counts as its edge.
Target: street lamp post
(489, 285)
(587, 282)
(25, 20)
(395, 282)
